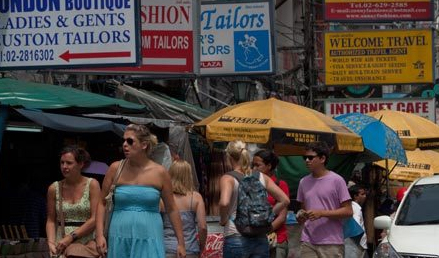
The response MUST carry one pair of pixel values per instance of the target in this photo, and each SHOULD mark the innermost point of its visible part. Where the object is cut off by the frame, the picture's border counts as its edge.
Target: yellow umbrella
(420, 163)
(414, 131)
(277, 122)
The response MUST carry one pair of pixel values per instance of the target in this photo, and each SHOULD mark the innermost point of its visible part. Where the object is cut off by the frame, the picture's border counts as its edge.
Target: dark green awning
(32, 95)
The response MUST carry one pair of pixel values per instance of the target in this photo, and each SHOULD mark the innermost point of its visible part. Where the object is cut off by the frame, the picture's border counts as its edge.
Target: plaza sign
(236, 37)
(67, 33)
(379, 57)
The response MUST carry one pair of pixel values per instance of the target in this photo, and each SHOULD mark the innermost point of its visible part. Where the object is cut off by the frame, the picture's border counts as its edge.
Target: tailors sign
(168, 38)
(52, 33)
(379, 57)
(236, 38)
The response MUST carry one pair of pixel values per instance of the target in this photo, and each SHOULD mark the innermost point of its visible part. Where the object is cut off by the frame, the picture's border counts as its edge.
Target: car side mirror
(382, 222)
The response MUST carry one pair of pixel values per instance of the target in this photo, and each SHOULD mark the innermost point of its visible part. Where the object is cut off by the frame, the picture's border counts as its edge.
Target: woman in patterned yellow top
(79, 195)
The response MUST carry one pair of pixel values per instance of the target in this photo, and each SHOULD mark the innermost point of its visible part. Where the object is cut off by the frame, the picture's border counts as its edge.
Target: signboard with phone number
(68, 33)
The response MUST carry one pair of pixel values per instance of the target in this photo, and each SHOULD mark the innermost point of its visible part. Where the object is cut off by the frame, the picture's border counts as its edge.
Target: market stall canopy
(414, 131)
(30, 95)
(280, 123)
(420, 163)
(162, 106)
(379, 140)
(72, 123)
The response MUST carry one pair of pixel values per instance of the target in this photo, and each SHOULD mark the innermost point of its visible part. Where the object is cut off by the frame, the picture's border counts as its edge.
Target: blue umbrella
(380, 140)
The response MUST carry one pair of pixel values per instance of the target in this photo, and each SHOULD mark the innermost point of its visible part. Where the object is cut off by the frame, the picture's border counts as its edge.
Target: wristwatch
(74, 235)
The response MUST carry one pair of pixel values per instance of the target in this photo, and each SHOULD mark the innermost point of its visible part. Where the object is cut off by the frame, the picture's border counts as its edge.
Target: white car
(414, 232)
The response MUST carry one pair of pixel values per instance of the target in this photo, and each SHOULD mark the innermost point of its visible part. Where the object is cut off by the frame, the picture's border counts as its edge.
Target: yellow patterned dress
(74, 214)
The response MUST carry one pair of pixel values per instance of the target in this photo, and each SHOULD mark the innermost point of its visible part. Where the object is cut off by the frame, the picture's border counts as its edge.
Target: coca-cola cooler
(215, 240)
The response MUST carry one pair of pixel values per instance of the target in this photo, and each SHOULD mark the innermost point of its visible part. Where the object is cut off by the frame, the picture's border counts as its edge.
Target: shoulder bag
(75, 249)
(109, 202)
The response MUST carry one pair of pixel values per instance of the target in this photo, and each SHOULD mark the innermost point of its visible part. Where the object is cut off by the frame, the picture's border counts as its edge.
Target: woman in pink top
(266, 162)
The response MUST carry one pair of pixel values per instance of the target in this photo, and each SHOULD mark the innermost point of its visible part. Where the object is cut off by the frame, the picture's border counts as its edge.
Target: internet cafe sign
(379, 57)
(420, 106)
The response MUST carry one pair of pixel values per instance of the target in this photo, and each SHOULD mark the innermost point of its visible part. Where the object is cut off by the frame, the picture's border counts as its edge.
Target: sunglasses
(129, 141)
(309, 157)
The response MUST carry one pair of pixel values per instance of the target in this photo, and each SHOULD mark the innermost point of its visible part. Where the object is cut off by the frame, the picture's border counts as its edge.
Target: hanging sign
(424, 107)
(378, 11)
(67, 33)
(379, 57)
(236, 38)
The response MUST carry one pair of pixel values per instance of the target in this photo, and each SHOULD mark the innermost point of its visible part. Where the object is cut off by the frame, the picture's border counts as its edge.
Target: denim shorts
(246, 247)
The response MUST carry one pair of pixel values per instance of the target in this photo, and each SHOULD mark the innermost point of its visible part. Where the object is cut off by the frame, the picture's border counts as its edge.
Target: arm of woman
(226, 187)
(282, 200)
(172, 211)
(101, 243)
(201, 220)
(51, 219)
(281, 218)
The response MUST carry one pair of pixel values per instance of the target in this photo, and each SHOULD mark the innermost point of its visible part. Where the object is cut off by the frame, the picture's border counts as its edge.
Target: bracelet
(74, 235)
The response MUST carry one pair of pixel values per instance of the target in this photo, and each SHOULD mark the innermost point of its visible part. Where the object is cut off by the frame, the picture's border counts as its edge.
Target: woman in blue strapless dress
(136, 227)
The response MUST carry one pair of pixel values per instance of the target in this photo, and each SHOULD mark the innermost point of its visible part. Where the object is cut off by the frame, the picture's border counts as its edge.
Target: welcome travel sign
(68, 33)
(236, 37)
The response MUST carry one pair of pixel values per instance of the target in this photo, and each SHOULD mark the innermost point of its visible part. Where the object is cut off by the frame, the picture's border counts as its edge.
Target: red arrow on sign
(67, 55)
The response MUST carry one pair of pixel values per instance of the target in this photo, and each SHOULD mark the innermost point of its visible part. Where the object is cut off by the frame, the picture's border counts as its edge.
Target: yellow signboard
(379, 57)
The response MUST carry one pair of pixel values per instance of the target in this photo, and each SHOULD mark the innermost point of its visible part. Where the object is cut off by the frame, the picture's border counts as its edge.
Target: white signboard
(420, 106)
(51, 33)
(236, 38)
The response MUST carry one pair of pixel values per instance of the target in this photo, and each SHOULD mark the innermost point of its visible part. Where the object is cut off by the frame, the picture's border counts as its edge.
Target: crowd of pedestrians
(160, 213)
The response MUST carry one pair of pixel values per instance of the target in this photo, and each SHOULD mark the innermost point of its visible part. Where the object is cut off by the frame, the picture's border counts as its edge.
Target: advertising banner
(420, 106)
(68, 33)
(378, 11)
(236, 38)
(379, 57)
(168, 39)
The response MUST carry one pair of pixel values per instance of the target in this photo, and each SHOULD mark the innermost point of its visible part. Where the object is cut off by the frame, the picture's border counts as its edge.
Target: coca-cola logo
(214, 246)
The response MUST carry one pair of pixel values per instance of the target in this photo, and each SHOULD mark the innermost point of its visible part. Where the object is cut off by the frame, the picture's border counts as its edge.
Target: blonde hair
(237, 151)
(181, 177)
(144, 135)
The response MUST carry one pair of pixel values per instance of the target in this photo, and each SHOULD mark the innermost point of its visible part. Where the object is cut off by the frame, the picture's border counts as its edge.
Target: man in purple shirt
(325, 201)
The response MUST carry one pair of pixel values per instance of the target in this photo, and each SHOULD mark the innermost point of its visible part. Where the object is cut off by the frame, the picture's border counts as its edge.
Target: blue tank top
(188, 219)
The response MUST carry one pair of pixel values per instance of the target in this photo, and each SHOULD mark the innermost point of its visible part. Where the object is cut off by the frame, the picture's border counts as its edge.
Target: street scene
(219, 128)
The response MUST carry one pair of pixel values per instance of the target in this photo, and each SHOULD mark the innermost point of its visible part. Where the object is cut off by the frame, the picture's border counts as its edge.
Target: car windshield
(421, 206)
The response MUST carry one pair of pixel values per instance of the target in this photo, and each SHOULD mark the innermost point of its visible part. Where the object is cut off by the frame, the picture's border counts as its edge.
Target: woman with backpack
(240, 240)
(266, 162)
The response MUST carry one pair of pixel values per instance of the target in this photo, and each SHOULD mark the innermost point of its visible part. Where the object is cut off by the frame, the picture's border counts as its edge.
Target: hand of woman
(181, 251)
(63, 244)
(52, 249)
(101, 246)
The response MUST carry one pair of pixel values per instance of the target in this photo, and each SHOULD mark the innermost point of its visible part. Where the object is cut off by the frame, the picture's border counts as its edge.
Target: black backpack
(254, 213)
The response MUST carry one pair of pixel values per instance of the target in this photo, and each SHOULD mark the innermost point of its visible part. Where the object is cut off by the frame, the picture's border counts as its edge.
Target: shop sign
(68, 33)
(378, 11)
(420, 106)
(379, 57)
(168, 39)
(411, 171)
(236, 37)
